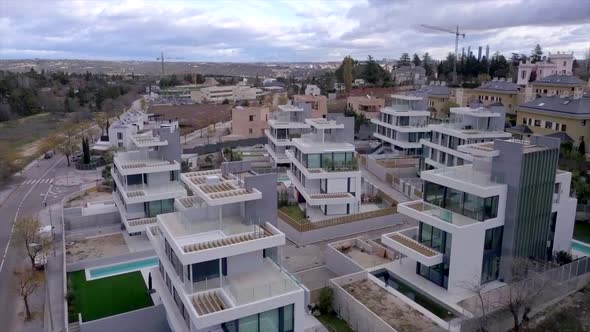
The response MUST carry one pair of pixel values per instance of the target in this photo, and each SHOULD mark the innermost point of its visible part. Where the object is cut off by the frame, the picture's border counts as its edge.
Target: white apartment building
(232, 93)
(474, 219)
(146, 178)
(312, 90)
(466, 125)
(130, 123)
(403, 124)
(219, 255)
(324, 168)
(559, 63)
(286, 123)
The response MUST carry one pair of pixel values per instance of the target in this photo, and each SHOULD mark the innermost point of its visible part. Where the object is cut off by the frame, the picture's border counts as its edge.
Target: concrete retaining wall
(338, 262)
(74, 220)
(342, 230)
(109, 260)
(151, 319)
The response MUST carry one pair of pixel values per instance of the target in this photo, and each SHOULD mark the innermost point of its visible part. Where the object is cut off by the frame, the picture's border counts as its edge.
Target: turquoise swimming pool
(121, 268)
(581, 247)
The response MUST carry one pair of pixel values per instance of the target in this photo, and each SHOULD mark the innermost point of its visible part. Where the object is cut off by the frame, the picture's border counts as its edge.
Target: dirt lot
(96, 247)
(94, 196)
(394, 311)
(193, 117)
(570, 314)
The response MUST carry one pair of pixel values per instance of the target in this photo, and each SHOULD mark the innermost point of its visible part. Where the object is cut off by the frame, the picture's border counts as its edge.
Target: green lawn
(582, 231)
(333, 323)
(295, 213)
(107, 296)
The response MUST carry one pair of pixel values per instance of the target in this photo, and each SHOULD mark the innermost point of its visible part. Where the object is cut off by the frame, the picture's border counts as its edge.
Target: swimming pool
(283, 178)
(121, 268)
(408, 291)
(581, 247)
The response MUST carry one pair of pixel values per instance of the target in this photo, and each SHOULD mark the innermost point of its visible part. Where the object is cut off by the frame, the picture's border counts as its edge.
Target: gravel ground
(96, 247)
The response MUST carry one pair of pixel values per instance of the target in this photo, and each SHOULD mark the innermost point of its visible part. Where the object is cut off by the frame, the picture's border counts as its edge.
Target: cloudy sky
(284, 30)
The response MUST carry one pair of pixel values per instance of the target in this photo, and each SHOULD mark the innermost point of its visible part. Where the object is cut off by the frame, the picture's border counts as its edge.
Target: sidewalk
(54, 318)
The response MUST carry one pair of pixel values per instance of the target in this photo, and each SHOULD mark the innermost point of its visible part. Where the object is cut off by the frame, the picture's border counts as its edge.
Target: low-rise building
(369, 106)
(318, 104)
(249, 121)
(559, 63)
(555, 85)
(146, 179)
(465, 125)
(219, 256)
(474, 220)
(324, 168)
(402, 125)
(555, 114)
(312, 90)
(410, 75)
(438, 99)
(231, 93)
(286, 123)
(498, 91)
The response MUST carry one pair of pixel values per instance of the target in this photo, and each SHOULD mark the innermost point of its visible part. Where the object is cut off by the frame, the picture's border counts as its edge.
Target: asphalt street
(34, 185)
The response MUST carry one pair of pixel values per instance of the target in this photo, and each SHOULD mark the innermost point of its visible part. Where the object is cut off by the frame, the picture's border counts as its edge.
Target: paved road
(34, 186)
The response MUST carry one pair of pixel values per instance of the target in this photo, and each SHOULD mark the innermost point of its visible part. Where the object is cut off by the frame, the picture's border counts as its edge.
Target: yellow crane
(457, 34)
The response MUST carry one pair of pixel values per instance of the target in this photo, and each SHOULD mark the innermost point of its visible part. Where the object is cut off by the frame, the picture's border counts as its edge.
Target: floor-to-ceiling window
(440, 241)
(492, 252)
(275, 320)
(469, 205)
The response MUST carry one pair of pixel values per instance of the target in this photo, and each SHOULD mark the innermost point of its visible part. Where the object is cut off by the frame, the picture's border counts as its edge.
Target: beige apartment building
(369, 106)
(319, 104)
(556, 116)
(495, 91)
(249, 121)
(438, 99)
(557, 85)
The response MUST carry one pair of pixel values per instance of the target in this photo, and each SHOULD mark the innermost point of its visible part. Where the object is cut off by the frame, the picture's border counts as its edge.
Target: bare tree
(520, 294)
(27, 236)
(476, 288)
(27, 281)
(101, 119)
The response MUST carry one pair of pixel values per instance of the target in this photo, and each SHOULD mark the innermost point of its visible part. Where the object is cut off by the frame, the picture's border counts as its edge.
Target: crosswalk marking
(37, 181)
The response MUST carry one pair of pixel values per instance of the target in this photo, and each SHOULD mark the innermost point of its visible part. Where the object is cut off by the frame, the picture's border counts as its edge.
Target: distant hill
(155, 67)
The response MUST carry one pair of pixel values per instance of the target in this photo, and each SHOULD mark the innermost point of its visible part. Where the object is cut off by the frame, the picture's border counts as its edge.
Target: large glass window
(288, 318)
(339, 159)
(313, 161)
(469, 205)
(269, 321)
(248, 324)
(275, 320)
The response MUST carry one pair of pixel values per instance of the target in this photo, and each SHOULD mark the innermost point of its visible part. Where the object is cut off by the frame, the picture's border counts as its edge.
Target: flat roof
(321, 123)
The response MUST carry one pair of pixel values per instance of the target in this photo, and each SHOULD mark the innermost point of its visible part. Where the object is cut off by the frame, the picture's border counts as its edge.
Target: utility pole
(457, 34)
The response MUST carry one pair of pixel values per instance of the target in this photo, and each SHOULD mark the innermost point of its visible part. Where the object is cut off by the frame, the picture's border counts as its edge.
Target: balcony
(146, 193)
(277, 157)
(436, 216)
(395, 142)
(412, 248)
(418, 126)
(196, 238)
(126, 165)
(315, 199)
(324, 172)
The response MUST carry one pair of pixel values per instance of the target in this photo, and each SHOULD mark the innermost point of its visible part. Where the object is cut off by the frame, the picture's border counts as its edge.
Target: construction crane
(161, 58)
(457, 34)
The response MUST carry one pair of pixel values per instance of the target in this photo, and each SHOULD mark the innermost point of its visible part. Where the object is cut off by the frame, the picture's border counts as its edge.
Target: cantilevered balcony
(435, 216)
(412, 248)
(146, 193)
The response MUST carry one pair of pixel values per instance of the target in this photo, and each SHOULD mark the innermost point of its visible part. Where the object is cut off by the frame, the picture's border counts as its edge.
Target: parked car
(48, 155)
(40, 261)
(75, 158)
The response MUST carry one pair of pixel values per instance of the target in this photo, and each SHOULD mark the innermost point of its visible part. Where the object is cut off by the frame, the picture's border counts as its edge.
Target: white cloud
(287, 30)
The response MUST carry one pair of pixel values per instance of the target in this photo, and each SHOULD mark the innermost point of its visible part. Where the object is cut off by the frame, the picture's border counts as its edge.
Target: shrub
(325, 300)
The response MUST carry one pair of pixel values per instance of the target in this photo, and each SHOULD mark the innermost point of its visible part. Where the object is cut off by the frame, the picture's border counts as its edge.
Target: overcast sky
(284, 30)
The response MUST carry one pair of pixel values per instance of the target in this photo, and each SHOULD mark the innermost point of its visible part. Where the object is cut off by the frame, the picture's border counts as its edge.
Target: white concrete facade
(232, 93)
(145, 182)
(324, 169)
(465, 126)
(286, 123)
(403, 124)
(221, 266)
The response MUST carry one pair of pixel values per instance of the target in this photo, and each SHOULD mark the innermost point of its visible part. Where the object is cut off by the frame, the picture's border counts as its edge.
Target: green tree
(372, 71)
(416, 60)
(325, 300)
(427, 64)
(404, 60)
(348, 72)
(537, 54)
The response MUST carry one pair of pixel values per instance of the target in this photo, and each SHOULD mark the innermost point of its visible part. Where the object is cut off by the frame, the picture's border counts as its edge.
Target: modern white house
(324, 168)
(286, 123)
(219, 256)
(146, 178)
(402, 124)
(466, 125)
(511, 201)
